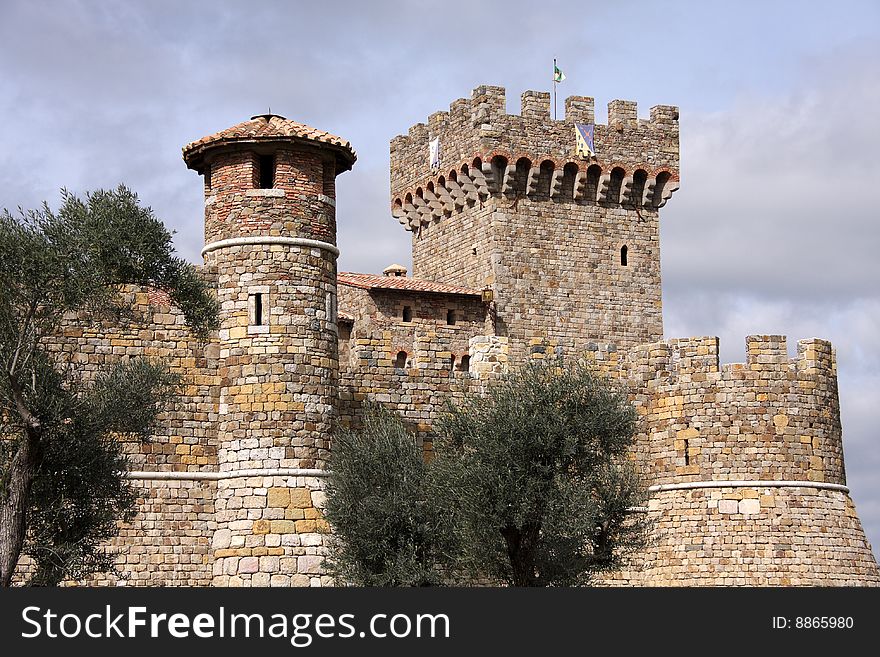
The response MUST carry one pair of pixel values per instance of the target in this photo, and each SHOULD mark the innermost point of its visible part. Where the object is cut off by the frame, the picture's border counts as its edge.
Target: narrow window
(267, 171)
(258, 309)
(452, 363)
(465, 364)
(400, 361)
(407, 313)
(208, 177)
(450, 317)
(687, 453)
(623, 251)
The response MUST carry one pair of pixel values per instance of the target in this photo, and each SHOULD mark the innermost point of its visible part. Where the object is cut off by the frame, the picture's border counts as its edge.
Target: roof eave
(194, 157)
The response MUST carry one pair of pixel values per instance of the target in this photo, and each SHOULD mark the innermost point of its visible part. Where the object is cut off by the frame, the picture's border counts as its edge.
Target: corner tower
(568, 241)
(270, 236)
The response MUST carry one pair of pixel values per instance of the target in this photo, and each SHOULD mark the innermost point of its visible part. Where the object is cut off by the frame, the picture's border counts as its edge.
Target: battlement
(766, 354)
(771, 417)
(488, 106)
(484, 152)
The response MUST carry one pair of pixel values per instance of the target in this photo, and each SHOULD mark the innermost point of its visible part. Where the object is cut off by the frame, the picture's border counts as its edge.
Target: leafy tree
(536, 477)
(61, 463)
(387, 530)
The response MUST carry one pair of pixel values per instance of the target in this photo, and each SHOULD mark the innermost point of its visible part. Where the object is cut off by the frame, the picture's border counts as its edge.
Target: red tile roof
(268, 127)
(377, 282)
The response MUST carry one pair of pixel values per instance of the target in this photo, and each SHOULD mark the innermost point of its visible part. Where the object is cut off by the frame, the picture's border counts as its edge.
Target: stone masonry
(522, 249)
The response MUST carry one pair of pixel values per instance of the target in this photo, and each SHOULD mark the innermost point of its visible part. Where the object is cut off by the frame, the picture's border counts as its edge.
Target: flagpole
(554, 88)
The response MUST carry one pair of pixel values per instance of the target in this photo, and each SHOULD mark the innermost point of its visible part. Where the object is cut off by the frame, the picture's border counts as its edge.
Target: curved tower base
(756, 535)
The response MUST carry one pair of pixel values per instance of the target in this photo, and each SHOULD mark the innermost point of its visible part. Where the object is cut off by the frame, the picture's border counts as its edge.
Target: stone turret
(270, 232)
(568, 240)
(745, 463)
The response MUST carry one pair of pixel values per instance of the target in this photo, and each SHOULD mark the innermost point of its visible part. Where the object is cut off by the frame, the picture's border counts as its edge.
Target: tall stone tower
(567, 240)
(270, 238)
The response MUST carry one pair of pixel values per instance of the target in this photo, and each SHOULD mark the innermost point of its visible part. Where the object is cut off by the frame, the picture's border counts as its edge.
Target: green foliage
(530, 486)
(78, 495)
(76, 260)
(59, 434)
(536, 480)
(387, 530)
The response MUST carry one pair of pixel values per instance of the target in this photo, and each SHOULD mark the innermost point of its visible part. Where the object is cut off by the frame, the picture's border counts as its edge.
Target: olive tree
(62, 484)
(387, 531)
(536, 479)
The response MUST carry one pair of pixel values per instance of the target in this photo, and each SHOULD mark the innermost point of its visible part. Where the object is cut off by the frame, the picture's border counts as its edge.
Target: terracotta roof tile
(267, 127)
(377, 282)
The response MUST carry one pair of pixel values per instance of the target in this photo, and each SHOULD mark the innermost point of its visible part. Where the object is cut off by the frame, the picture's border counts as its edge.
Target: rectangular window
(208, 177)
(258, 309)
(267, 171)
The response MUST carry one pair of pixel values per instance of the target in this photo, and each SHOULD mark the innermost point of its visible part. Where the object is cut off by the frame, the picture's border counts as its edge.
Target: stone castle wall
(437, 354)
(771, 417)
(745, 460)
(168, 543)
(757, 535)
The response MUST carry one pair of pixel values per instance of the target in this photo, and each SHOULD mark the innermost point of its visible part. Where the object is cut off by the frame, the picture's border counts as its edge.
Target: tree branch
(31, 422)
(25, 329)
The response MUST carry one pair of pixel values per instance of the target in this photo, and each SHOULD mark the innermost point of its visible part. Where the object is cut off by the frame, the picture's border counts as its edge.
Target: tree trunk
(521, 546)
(13, 507)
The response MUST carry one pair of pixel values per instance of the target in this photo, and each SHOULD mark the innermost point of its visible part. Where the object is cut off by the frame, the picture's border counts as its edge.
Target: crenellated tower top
(485, 151)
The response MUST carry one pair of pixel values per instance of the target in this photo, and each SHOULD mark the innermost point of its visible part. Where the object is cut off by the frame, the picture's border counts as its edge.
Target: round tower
(270, 236)
(745, 467)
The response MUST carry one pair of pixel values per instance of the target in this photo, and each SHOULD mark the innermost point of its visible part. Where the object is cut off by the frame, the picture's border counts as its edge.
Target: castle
(522, 247)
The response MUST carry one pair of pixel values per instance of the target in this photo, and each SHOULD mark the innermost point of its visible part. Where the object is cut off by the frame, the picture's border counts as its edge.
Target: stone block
(248, 565)
(728, 506)
(749, 506)
(309, 564)
(300, 498)
(221, 539)
(300, 580)
(278, 497)
(269, 564)
(283, 527)
(319, 499)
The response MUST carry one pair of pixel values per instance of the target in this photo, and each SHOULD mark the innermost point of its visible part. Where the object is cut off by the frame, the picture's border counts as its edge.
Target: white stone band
(230, 474)
(269, 239)
(748, 483)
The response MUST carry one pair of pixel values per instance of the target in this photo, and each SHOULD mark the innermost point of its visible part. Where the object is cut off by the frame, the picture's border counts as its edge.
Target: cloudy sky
(775, 228)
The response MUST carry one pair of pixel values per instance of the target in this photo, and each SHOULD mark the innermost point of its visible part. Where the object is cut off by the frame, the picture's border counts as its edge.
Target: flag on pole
(434, 152)
(558, 75)
(583, 135)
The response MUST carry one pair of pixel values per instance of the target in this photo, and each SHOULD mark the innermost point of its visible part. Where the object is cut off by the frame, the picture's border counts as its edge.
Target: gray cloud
(778, 193)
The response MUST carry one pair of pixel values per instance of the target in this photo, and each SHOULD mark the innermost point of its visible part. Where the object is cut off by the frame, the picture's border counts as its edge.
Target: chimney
(394, 270)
